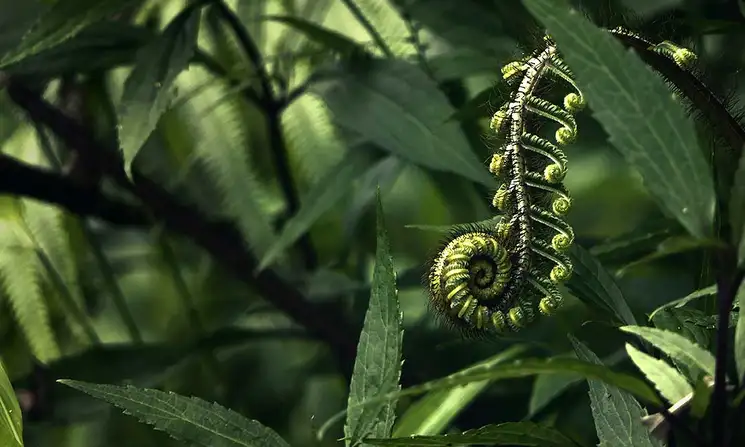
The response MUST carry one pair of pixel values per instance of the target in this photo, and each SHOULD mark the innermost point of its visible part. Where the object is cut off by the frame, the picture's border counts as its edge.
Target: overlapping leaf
(638, 111)
(147, 92)
(617, 414)
(63, 20)
(393, 104)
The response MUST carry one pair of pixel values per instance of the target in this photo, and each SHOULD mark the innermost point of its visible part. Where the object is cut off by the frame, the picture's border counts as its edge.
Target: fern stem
(374, 34)
(729, 280)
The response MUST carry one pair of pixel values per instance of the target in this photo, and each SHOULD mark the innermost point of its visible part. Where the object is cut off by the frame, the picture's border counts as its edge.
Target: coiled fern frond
(498, 278)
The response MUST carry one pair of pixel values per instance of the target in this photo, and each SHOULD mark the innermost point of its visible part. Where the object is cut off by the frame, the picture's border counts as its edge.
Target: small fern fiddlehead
(496, 278)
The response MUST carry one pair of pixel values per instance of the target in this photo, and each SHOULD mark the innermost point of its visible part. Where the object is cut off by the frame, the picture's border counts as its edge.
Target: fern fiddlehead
(496, 278)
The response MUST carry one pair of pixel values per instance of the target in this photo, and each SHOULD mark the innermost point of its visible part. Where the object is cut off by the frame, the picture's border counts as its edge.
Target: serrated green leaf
(509, 433)
(591, 283)
(740, 334)
(101, 46)
(187, 419)
(60, 22)
(147, 92)
(11, 427)
(668, 381)
(677, 304)
(323, 36)
(435, 411)
(676, 346)
(395, 105)
(377, 369)
(638, 111)
(737, 209)
(139, 365)
(320, 199)
(680, 320)
(617, 415)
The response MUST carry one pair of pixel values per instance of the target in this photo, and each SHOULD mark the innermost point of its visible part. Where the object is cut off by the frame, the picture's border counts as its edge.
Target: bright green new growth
(496, 278)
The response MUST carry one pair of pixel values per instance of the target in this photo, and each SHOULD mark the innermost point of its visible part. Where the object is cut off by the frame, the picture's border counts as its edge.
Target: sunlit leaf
(11, 425)
(676, 346)
(668, 381)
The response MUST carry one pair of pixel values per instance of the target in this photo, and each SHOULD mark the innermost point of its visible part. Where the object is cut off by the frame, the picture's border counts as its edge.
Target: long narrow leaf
(11, 419)
(377, 369)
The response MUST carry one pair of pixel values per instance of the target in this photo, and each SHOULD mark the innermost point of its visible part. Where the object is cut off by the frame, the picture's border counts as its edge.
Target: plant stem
(728, 282)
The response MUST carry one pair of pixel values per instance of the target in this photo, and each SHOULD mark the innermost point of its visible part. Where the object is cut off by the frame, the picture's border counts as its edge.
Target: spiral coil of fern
(496, 278)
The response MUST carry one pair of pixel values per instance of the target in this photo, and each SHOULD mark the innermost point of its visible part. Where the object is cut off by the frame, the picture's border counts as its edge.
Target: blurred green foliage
(286, 121)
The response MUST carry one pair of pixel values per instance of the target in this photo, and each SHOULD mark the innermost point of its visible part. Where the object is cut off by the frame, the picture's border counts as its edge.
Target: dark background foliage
(233, 262)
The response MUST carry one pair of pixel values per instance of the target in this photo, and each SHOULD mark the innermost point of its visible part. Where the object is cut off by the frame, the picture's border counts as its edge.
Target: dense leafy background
(142, 305)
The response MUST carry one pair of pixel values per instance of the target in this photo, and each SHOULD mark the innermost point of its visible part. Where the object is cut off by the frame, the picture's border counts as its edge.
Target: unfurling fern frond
(495, 279)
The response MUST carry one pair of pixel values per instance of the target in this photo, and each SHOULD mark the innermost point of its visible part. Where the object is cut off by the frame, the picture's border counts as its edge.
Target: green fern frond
(21, 279)
(218, 122)
(46, 227)
(312, 142)
(383, 17)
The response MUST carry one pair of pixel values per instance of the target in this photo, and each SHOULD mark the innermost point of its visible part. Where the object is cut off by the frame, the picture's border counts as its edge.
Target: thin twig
(25, 180)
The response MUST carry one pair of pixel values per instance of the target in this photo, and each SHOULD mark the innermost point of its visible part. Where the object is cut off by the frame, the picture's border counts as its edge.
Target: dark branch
(21, 179)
